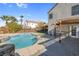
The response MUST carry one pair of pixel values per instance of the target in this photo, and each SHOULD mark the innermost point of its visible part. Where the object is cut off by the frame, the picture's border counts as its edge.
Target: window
(75, 10)
(50, 16)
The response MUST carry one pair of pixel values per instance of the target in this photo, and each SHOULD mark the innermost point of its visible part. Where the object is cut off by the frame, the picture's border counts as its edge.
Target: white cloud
(22, 5)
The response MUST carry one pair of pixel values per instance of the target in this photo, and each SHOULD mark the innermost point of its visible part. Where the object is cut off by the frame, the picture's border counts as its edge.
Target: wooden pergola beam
(66, 22)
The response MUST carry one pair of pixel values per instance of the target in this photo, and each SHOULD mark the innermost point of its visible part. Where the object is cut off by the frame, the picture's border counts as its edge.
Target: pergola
(67, 21)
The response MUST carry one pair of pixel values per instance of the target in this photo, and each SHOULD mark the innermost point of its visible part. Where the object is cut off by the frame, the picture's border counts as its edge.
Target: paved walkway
(52, 41)
(68, 47)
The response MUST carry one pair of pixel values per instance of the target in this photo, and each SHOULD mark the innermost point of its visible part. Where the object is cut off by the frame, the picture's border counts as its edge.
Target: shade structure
(69, 20)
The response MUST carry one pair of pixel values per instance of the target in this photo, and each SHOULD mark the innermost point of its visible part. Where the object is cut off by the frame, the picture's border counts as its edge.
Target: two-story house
(64, 17)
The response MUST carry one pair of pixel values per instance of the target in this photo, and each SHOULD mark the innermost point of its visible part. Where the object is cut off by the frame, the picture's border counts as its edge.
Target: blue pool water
(23, 40)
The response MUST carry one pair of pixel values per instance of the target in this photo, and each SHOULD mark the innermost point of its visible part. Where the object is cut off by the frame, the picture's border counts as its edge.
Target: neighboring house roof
(53, 7)
(32, 21)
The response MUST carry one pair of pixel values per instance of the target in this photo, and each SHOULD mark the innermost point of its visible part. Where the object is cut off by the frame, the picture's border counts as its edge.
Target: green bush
(14, 27)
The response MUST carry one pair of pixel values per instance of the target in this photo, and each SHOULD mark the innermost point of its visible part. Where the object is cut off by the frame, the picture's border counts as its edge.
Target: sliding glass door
(73, 30)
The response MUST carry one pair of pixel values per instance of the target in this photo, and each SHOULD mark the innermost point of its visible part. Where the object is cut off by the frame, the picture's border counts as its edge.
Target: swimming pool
(22, 40)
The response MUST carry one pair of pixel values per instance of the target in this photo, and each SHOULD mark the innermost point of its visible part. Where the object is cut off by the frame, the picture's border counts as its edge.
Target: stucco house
(30, 24)
(64, 18)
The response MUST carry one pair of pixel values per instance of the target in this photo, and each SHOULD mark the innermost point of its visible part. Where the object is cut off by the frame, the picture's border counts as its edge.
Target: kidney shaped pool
(22, 40)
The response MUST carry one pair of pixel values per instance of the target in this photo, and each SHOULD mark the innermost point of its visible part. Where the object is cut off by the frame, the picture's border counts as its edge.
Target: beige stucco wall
(62, 10)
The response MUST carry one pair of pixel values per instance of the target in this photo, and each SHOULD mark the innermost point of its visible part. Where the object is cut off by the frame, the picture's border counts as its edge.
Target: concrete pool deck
(33, 50)
(68, 47)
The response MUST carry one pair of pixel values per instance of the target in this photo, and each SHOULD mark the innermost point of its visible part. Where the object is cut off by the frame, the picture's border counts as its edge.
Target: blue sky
(31, 11)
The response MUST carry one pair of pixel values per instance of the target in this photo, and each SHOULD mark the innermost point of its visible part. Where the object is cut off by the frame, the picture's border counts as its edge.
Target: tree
(10, 22)
(8, 18)
(42, 27)
(14, 27)
(21, 19)
(13, 19)
(5, 18)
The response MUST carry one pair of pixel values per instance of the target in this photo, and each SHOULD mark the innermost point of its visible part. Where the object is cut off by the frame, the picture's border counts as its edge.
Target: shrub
(14, 27)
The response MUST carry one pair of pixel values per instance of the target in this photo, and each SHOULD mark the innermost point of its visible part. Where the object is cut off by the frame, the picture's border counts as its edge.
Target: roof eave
(53, 7)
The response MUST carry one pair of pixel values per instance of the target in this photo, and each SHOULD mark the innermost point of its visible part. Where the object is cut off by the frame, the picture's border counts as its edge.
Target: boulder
(7, 49)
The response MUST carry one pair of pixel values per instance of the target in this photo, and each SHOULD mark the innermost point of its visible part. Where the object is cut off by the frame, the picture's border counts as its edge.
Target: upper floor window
(50, 16)
(75, 10)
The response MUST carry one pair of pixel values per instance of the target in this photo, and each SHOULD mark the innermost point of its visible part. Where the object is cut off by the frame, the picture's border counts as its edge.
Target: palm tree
(13, 19)
(5, 18)
(21, 19)
(8, 18)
